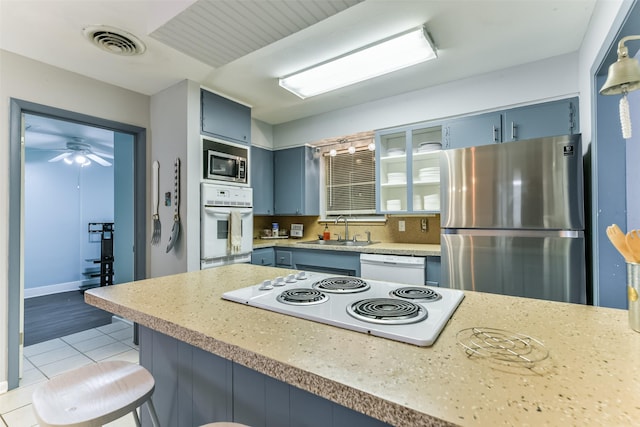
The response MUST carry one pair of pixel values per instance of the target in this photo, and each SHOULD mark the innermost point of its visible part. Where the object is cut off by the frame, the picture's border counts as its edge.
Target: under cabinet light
(391, 54)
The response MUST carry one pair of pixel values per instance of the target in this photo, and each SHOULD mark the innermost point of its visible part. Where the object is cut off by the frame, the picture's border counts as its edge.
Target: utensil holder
(633, 293)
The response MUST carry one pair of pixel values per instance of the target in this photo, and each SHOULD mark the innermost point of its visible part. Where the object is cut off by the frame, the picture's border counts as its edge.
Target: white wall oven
(226, 225)
(225, 163)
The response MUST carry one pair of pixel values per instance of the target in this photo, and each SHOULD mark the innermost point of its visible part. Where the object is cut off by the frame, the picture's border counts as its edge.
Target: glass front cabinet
(408, 169)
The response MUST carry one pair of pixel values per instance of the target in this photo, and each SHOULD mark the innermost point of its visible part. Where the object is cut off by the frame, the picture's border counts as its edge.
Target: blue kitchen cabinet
(284, 258)
(481, 129)
(261, 173)
(432, 273)
(540, 120)
(225, 119)
(296, 182)
(263, 256)
(327, 261)
(532, 121)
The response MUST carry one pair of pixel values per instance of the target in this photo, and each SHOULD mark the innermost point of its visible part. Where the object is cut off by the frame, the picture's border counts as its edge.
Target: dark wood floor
(53, 316)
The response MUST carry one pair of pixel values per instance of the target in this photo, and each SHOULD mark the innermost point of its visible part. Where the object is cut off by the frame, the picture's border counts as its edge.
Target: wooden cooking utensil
(619, 240)
(633, 243)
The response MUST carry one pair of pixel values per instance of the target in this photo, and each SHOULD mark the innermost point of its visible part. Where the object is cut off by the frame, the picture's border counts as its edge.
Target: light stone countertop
(591, 376)
(414, 249)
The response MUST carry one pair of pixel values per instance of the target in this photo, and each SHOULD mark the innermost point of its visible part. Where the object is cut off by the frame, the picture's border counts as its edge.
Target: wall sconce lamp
(623, 77)
(391, 54)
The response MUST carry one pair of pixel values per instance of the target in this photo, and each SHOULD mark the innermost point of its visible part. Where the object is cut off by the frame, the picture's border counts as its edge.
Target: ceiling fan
(80, 153)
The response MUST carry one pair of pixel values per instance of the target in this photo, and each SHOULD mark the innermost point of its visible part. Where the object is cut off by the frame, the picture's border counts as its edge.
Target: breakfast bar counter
(584, 371)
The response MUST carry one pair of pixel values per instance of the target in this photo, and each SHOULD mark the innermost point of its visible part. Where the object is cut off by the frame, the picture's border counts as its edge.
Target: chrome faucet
(346, 226)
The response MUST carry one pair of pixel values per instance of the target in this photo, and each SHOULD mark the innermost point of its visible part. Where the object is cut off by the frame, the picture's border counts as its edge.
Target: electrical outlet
(424, 224)
(401, 226)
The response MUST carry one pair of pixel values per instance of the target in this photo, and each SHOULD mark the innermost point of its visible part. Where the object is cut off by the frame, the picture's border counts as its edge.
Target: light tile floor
(50, 358)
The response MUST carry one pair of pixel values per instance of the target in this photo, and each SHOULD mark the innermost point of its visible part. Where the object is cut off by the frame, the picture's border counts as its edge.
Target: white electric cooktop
(407, 313)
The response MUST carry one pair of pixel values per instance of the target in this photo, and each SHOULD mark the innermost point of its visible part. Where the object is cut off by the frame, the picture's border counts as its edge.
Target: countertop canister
(633, 290)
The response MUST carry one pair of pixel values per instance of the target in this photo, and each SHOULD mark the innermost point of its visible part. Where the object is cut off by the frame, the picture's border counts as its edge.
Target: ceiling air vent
(114, 40)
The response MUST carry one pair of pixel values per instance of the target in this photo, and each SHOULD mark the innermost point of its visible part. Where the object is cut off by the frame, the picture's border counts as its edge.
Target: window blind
(350, 184)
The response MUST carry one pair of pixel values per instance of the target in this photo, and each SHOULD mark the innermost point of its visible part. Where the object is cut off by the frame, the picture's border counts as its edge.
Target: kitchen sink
(352, 243)
(337, 242)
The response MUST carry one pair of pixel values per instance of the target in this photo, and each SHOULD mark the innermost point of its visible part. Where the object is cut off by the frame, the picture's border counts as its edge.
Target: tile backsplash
(387, 231)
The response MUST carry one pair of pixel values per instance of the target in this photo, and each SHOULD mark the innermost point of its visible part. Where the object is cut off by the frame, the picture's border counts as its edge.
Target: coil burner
(302, 296)
(416, 293)
(341, 285)
(388, 311)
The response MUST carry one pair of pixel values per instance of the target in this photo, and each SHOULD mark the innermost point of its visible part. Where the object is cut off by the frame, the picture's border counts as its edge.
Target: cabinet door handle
(495, 134)
(514, 129)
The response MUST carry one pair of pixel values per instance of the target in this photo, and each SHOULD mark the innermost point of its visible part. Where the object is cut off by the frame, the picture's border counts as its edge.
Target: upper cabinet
(225, 119)
(261, 173)
(408, 170)
(540, 120)
(532, 121)
(481, 129)
(296, 182)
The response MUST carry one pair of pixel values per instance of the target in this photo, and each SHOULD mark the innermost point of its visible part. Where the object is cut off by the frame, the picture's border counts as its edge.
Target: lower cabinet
(321, 261)
(195, 387)
(330, 262)
(433, 271)
(263, 256)
(284, 258)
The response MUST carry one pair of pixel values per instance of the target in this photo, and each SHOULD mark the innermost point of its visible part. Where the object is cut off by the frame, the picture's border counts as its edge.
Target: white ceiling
(472, 36)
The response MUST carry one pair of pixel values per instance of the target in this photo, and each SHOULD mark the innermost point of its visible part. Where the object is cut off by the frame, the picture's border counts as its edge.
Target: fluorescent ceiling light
(394, 53)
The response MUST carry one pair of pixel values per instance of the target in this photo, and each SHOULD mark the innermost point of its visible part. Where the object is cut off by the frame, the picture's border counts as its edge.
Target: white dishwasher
(393, 268)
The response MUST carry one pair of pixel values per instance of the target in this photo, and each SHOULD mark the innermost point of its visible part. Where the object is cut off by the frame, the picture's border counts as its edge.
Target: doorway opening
(69, 211)
(50, 151)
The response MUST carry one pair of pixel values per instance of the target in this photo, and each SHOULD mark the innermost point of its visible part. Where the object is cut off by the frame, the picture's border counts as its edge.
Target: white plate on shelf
(395, 152)
(396, 178)
(393, 205)
(427, 147)
(435, 169)
(431, 202)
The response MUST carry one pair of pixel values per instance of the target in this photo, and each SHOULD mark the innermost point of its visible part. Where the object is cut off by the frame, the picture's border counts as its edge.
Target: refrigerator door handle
(576, 234)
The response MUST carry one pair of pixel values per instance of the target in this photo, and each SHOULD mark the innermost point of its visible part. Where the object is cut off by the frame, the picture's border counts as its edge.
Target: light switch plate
(401, 226)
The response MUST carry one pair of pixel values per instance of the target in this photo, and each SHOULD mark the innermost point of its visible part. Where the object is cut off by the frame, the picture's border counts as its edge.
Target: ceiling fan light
(391, 54)
(67, 160)
(80, 159)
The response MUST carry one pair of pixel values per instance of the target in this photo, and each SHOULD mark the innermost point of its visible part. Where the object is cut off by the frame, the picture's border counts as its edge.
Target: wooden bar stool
(94, 395)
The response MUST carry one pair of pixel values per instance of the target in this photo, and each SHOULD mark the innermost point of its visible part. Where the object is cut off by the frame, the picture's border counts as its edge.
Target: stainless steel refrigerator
(512, 219)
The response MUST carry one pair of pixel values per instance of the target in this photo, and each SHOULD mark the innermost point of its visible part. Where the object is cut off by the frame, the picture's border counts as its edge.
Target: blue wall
(59, 202)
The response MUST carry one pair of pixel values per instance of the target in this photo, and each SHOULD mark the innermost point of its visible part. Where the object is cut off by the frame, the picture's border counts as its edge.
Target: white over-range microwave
(224, 162)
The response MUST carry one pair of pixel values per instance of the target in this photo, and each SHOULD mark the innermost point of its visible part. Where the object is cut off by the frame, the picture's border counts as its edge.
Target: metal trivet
(416, 293)
(341, 285)
(302, 296)
(502, 346)
(387, 311)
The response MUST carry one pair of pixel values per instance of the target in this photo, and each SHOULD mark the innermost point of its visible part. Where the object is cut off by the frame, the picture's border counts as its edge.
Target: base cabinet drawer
(264, 256)
(284, 258)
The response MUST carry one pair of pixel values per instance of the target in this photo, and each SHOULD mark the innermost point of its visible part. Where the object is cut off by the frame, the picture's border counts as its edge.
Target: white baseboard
(4, 387)
(54, 289)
